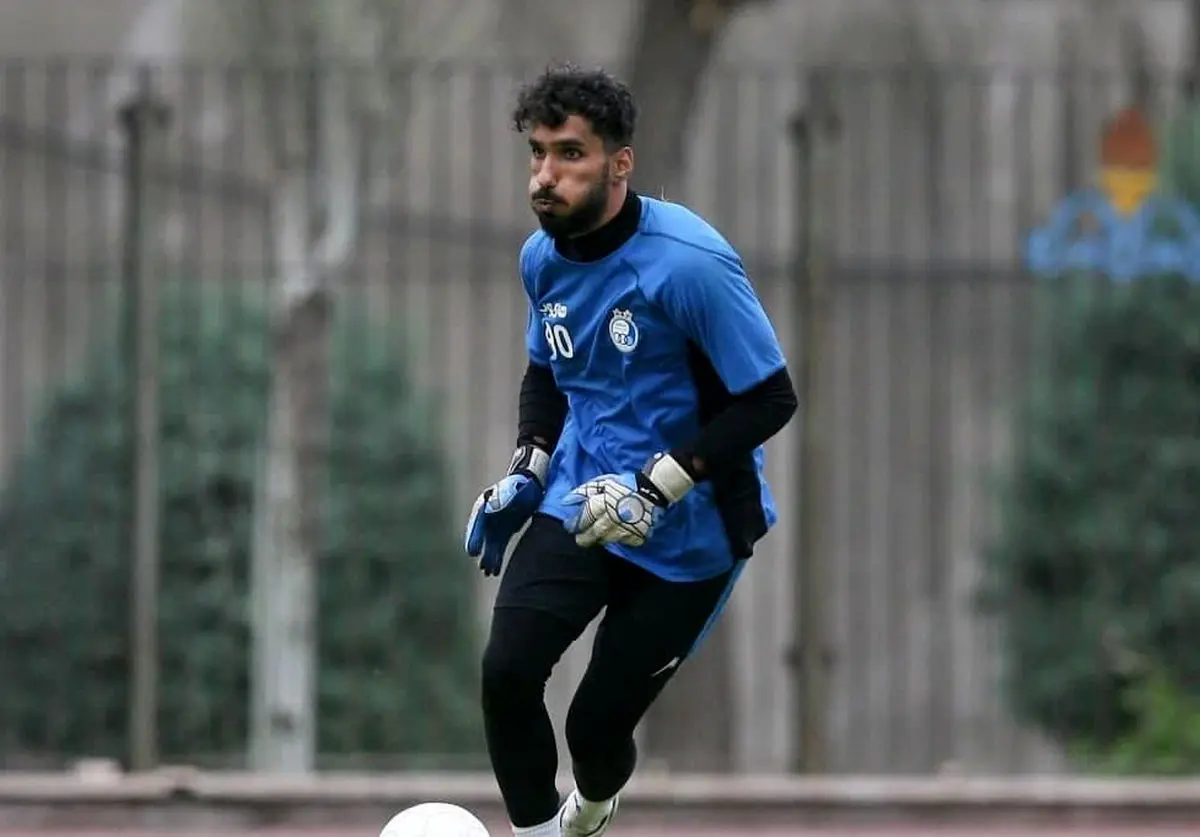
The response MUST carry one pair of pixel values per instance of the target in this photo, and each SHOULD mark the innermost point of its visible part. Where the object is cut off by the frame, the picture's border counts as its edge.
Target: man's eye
(573, 154)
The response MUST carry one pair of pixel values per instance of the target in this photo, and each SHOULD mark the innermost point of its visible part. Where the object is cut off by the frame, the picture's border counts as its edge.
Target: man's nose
(545, 175)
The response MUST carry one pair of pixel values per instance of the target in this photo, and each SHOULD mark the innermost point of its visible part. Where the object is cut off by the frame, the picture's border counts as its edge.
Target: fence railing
(883, 215)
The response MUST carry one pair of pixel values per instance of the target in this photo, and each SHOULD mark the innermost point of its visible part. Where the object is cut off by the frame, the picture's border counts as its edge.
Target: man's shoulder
(532, 257)
(533, 249)
(684, 243)
(683, 232)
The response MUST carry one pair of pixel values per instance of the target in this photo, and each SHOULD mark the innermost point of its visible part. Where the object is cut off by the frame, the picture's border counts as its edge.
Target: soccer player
(654, 378)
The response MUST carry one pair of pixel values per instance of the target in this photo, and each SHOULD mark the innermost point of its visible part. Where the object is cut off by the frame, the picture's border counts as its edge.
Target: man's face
(571, 177)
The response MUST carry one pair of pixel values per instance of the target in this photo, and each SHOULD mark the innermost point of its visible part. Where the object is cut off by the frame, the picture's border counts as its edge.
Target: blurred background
(261, 338)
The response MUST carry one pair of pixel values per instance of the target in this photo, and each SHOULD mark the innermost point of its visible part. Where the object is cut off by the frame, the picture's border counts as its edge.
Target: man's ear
(622, 166)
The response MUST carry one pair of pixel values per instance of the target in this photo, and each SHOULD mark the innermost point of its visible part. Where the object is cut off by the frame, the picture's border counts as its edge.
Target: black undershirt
(600, 242)
(732, 426)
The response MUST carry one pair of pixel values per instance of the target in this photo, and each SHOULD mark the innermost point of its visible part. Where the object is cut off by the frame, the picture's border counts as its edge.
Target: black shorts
(549, 572)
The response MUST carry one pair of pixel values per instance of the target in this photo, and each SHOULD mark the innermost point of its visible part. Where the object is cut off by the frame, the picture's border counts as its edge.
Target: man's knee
(587, 731)
(522, 649)
(600, 721)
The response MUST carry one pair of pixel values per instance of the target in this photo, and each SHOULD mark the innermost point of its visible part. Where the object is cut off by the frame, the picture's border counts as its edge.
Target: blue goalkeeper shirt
(646, 343)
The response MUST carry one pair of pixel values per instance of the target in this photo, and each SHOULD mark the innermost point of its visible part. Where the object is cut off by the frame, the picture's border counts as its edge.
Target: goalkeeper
(654, 378)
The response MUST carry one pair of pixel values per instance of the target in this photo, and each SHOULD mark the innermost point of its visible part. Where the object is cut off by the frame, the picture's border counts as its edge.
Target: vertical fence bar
(144, 119)
(809, 131)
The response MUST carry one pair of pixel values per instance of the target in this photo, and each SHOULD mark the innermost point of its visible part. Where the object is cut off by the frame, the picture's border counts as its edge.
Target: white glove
(624, 508)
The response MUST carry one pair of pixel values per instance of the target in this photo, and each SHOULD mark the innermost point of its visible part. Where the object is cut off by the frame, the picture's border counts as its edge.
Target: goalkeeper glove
(624, 508)
(503, 508)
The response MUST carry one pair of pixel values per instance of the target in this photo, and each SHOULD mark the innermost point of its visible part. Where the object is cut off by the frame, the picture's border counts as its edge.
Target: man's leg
(549, 593)
(650, 628)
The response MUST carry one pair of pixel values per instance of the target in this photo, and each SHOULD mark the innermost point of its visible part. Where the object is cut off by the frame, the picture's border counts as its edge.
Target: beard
(560, 222)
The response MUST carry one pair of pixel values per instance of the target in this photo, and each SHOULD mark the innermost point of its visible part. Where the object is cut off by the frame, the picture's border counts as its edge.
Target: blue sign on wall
(1086, 234)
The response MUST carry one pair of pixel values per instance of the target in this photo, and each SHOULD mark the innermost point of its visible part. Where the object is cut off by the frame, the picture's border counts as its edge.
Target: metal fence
(901, 196)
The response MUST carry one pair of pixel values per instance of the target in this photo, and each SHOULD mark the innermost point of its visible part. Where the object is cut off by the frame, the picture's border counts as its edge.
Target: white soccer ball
(434, 819)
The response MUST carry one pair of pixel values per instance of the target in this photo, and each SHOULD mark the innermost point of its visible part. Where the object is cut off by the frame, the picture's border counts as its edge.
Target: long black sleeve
(749, 420)
(542, 408)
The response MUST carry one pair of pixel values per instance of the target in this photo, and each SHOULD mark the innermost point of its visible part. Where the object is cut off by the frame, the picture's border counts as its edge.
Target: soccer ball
(434, 819)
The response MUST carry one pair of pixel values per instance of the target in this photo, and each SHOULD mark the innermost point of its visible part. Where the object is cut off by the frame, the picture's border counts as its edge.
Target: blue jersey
(628, 337)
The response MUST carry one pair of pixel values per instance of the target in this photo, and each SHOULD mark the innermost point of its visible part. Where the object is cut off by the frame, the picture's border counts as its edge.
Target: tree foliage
(396, 634)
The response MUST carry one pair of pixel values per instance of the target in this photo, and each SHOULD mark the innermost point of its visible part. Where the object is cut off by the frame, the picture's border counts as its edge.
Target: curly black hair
(566, 90)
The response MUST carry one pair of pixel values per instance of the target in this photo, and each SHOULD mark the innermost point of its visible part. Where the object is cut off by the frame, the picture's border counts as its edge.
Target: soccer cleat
(576, 821)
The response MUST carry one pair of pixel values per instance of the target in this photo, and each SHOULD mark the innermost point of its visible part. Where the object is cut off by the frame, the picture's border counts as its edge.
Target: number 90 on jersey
(559, 340)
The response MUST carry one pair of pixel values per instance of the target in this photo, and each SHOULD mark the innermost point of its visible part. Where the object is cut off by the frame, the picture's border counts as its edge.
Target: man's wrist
(530, 459)
(668, 477)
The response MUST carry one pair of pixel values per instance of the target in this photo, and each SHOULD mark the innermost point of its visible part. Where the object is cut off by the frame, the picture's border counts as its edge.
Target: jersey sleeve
(709, 297)
(535, 342)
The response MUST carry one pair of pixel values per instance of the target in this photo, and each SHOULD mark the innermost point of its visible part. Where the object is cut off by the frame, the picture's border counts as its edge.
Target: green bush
(396, 631)
(1164, 737)
(1094, 567)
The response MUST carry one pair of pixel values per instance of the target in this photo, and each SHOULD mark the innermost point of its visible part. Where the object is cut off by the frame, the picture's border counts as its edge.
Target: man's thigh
(652, 626)
(549, 572)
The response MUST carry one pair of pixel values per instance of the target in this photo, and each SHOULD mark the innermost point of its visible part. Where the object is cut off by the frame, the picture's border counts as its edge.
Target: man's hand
(503, 508)
(624, 508)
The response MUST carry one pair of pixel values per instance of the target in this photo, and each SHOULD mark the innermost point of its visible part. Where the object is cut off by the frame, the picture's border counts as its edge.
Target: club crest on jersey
(622, 330)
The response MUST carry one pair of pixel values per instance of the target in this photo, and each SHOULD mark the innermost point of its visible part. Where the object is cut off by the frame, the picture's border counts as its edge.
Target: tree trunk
(315, 232)
(1193, 74)
(286, 522)
(289, 533)
(690, 727)
(669, 59)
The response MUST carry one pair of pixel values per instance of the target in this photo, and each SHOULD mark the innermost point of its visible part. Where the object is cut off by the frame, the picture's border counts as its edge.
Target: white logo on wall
(622, 330)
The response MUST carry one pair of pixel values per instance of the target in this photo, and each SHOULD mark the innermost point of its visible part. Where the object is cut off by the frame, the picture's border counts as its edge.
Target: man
(654, 378)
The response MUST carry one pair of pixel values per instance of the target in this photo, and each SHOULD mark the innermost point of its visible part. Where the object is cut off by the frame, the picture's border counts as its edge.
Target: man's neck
(616, 202)
(609, 236)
